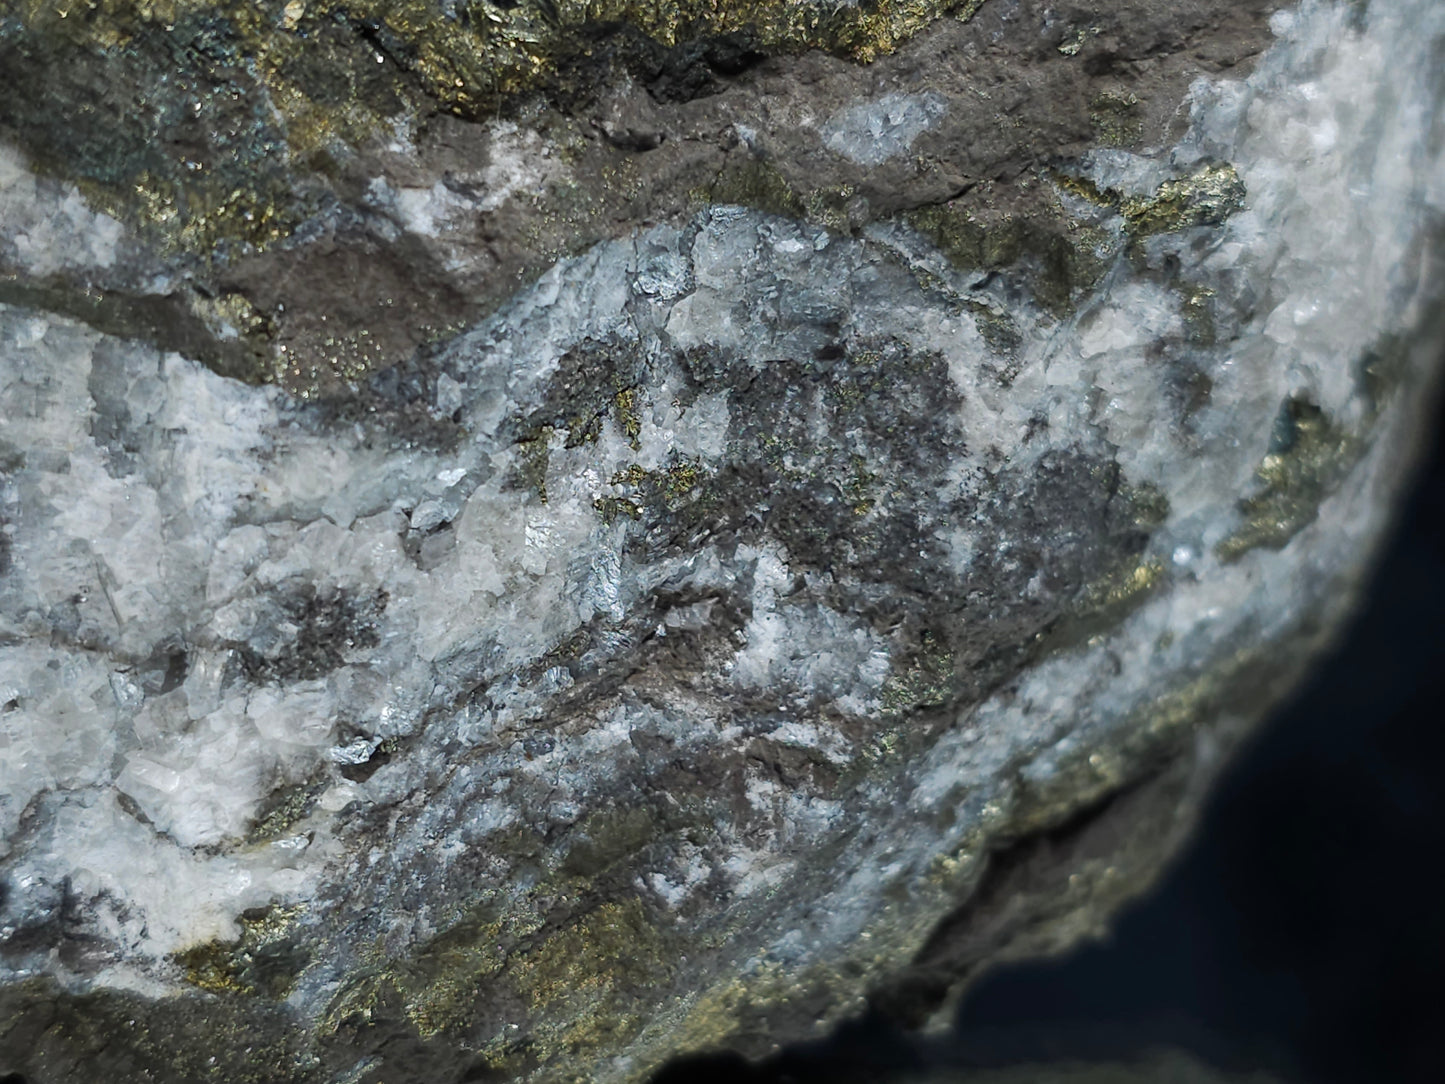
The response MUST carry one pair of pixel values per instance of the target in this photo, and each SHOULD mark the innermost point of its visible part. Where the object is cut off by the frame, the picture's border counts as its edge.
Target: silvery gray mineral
(539, 537)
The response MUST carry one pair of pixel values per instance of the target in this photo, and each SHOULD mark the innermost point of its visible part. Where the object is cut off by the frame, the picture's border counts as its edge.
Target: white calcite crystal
(873, 132)
(657, 661)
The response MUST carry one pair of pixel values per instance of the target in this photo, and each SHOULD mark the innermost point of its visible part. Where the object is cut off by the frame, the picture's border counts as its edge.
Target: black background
(1303, 930)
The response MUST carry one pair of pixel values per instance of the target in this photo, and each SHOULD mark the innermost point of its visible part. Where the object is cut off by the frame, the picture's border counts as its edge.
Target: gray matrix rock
(538, 537)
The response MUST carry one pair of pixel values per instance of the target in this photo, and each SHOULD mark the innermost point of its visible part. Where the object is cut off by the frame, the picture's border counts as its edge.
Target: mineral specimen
(1170, 1067)
(538, 537)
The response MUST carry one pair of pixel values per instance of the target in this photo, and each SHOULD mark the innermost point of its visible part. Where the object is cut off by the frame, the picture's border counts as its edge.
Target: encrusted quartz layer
(727, 623)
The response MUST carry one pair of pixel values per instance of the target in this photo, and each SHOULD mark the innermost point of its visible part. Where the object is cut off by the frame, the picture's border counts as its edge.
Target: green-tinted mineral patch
(263, 962)
(998, 329)
(584, 980)
(1307, 458)
(593, 382)
(1066, 257)
(1116, 118)
(285, 807)
(967, 239)
(441, 985)
(533, 456)
(1205, 198)
(606, 838)
(925, 681)
(753, 183)
(1104, 601)
(653, 493)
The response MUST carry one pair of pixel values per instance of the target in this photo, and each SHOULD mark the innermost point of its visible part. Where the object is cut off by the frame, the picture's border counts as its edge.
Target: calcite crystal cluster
(540, 536)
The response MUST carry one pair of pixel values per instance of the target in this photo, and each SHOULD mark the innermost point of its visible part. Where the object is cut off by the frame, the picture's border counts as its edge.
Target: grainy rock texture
(540, 537)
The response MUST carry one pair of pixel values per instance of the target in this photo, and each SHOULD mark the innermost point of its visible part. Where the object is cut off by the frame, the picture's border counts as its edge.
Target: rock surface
(1160, 1068)
(538, 538)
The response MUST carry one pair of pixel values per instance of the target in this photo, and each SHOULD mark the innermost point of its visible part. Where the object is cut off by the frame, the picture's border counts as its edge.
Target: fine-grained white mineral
(655, 662)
